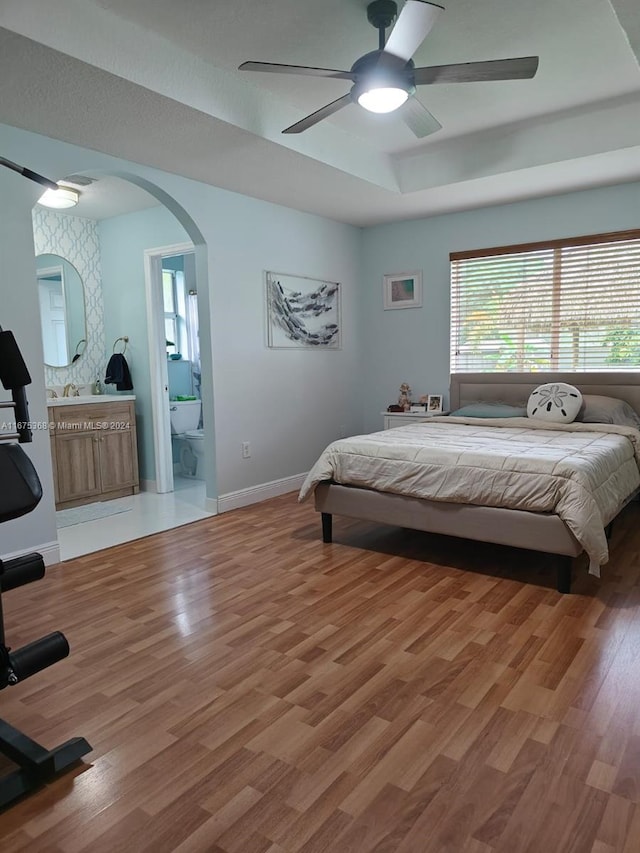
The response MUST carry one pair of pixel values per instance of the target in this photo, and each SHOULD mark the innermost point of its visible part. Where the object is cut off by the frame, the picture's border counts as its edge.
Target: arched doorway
(127, 239)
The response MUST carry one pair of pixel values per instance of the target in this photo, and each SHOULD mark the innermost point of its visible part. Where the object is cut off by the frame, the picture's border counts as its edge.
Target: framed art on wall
(302, 312)
(403, 290)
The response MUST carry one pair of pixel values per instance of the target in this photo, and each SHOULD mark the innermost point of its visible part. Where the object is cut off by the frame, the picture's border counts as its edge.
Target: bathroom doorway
(99, 247)
(182, 341)
(174, 357)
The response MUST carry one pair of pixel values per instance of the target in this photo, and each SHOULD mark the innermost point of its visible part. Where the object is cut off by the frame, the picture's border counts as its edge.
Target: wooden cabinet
(77, 467)
(93, 447)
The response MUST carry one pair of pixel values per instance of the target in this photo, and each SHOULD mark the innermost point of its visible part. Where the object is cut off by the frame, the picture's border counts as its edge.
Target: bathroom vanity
(93, 448)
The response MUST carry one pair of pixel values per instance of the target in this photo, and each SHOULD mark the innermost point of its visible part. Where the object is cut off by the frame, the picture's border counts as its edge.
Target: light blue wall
(123, 240)
(288, 403)
(412, 345)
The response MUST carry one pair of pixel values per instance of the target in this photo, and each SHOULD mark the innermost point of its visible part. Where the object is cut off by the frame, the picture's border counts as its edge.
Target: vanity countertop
(92, 398)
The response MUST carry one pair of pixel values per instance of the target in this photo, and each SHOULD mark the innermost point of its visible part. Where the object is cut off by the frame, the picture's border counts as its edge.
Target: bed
(551, 530)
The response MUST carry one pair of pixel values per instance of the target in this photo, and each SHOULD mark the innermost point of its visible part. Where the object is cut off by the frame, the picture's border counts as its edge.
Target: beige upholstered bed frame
(487, 524)
(514, 388)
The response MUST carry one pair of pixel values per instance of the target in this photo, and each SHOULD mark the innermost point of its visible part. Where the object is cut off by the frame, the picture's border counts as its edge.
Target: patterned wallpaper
(76, 239)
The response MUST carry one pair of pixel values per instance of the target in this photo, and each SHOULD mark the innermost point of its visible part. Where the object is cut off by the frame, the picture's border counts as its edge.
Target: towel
(118, 373)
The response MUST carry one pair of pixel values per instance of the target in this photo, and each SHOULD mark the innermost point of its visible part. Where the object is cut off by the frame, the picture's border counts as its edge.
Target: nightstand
(396, 419)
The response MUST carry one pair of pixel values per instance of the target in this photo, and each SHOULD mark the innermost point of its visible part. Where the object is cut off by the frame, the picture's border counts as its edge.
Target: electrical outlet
(246, 450)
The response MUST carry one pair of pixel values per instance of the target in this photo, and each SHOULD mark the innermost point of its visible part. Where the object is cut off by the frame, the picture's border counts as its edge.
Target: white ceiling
(155, 81)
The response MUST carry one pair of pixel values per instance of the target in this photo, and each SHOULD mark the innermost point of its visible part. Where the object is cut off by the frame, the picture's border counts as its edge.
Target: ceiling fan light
(60, 198)
(384, 99)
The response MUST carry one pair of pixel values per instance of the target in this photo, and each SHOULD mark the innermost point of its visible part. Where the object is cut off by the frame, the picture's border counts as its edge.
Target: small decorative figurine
(404, 399)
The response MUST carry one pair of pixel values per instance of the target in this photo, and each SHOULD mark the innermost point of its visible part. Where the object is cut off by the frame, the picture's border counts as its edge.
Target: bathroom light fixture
(60, 198)
(383, 100)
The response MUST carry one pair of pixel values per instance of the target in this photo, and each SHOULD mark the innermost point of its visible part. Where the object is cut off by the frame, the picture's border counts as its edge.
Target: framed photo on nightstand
(434, 403)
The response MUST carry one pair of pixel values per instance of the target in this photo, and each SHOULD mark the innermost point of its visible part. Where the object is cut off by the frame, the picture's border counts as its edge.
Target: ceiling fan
(386, 79)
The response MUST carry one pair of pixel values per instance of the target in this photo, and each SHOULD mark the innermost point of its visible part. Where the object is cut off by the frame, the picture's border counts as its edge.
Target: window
(174, 311)
(567, 305)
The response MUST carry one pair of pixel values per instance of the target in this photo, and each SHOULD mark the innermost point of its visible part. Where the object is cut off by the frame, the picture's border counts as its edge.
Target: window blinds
(566, 305)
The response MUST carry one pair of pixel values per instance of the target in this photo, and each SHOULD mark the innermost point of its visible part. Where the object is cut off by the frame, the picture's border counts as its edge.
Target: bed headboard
(514, 388)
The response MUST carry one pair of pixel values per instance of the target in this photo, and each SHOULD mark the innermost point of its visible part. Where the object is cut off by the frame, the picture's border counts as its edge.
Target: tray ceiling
(156, 81)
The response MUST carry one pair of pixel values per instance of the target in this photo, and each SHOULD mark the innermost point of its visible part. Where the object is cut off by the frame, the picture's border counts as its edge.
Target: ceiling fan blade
(412, 27)
(323, 112)
(276, 68)
(521, 68)
(418, 118)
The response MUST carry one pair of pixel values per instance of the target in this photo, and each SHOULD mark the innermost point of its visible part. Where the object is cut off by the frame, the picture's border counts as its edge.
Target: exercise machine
(20, 493)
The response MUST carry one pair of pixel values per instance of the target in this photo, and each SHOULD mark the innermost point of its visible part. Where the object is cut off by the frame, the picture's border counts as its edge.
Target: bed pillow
(555, 402)
(490, 410)
(607, 410)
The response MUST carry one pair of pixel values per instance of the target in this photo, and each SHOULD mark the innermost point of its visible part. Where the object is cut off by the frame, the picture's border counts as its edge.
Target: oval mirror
(62, 310)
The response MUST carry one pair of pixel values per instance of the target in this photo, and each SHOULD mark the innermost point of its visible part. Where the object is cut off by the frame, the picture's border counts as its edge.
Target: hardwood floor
(247, 689)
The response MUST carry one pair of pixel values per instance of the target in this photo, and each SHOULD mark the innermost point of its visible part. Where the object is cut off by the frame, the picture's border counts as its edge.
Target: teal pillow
(490, 410)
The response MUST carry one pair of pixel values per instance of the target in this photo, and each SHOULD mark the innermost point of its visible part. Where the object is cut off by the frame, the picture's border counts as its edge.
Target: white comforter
(582, 472)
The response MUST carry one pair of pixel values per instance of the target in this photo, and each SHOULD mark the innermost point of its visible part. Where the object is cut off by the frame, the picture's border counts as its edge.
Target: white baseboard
(211, 505)
(255, 494)
(50, 553)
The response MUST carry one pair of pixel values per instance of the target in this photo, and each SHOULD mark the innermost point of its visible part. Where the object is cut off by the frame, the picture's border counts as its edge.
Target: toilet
(186, 438)
(192, 456)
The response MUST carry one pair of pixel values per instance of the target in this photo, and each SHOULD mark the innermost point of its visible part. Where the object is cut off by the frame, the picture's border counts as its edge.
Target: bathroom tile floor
(150, 513)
